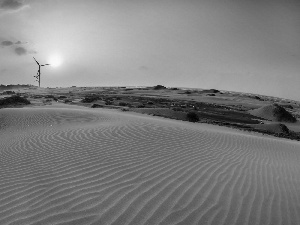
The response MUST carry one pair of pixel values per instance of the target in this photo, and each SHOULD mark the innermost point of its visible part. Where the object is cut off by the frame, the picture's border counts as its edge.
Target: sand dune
(84, 166)
(274, 112)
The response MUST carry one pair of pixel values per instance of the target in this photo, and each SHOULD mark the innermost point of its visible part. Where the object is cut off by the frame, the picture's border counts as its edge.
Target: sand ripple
(68, 166)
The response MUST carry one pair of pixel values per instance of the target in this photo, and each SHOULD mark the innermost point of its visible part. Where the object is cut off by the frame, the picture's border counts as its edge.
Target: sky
(248, 46)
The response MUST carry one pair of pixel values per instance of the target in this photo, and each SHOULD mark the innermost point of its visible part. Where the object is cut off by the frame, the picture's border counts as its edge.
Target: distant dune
(273, 112)
(99, 166)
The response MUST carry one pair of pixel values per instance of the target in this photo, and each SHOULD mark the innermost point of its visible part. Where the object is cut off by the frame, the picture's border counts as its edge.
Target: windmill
(38, 75)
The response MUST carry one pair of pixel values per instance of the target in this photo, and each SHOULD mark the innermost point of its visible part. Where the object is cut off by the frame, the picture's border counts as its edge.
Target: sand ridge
(85, 166)
(274, 112)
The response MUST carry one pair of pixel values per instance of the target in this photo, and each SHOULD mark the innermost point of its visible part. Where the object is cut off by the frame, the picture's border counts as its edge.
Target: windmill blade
(36, 61)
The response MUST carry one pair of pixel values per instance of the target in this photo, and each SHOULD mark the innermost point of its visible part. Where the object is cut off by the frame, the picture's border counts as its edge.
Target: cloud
(12, 5)
(20, 51)
(20, 43)
(10, 43)
(6, 43)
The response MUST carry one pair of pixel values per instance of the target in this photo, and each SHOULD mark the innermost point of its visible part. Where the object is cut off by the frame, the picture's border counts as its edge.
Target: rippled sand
(96, 166)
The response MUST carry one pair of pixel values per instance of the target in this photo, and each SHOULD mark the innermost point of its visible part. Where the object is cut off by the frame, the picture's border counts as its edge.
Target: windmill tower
(38, 75)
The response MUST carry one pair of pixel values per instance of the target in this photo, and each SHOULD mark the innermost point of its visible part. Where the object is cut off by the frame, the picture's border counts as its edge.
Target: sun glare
(55, 60)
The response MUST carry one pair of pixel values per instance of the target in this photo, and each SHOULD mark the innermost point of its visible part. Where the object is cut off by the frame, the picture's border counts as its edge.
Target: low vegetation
(89, 99)
(123, 104)
(159, 87)
(192, 117)
(14, 100)
(96, 106)
(186, 105)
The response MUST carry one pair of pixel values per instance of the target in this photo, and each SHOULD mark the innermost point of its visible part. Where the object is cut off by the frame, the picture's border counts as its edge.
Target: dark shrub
(14, 100)
(122, 103)
(90, 99)
(214, 90)
(8, 92)
(192, 117)
(97, 106)
(159, 87)
(107, 102)
(109, 99)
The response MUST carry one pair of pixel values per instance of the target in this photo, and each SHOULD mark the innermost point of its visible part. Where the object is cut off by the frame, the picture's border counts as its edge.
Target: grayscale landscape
(157, 112)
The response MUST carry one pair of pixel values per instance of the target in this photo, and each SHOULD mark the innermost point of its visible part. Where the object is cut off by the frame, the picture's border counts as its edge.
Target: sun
(55, 60)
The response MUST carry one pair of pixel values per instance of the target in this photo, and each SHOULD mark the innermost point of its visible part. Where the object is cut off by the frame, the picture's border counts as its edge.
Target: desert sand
(76, 165)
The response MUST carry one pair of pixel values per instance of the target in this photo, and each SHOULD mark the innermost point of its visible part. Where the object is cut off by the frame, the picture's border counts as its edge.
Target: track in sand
(83, 166)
